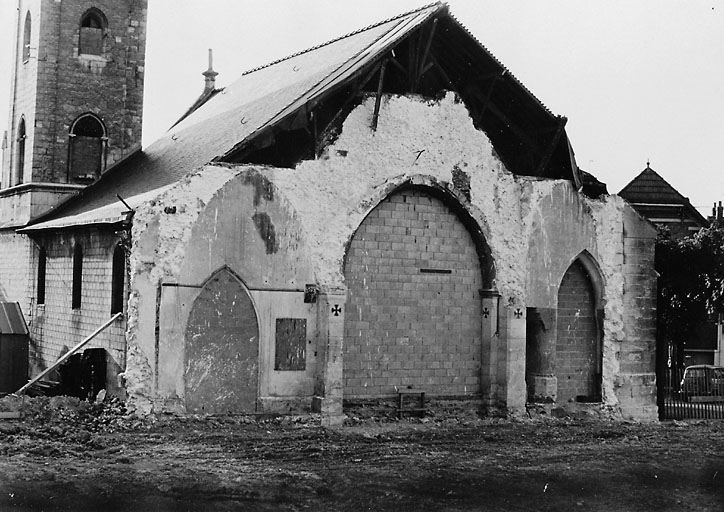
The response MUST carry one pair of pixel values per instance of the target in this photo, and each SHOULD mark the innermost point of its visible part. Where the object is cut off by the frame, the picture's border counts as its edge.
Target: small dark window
(77, 276)
(118, 280)
(42, 262)
(291, 344)
(92, 27)
(86, 157)
(20, 164)
(26, 38)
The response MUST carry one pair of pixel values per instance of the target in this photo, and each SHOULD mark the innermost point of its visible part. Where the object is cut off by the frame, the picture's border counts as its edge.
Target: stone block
(542, 388)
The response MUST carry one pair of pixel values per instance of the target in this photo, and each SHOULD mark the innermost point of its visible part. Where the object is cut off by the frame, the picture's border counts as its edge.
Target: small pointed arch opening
(593, 270)
(579, 339)
(27, 32)
(86, 159)
(118, 279)
(77, 292)
(221, 369)
(20, 157)
(92, 29)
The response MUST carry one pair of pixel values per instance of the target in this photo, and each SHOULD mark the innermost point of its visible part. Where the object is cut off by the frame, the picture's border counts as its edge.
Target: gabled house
(387, 210)
(665, 207)
(662, 205)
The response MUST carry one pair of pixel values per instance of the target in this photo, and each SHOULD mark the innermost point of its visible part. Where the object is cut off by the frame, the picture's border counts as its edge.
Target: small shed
(14, 343)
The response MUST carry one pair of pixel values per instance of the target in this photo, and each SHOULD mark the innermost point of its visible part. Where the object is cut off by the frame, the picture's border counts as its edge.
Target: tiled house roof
(650, 187)
(654, 198)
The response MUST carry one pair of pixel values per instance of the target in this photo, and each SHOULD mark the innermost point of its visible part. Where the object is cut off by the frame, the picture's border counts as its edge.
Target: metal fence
(695, 392)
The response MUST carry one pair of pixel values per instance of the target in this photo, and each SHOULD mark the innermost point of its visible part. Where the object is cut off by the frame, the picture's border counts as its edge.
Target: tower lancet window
(92, 31)
(87, 148)
(26, 37)
(20, 162)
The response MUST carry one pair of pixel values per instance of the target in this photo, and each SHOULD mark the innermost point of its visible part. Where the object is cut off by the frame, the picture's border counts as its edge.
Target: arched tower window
(20, 160)
(42, 263)
(26, 38)
(118, 277)
(77, 276)
(92, 29)
(87, 151)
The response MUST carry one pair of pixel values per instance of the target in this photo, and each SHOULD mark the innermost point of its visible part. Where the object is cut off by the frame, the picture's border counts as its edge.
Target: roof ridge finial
(648, 163)
(210, 74)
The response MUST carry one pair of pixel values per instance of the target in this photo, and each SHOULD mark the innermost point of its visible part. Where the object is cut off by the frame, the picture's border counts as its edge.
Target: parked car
(702, 380)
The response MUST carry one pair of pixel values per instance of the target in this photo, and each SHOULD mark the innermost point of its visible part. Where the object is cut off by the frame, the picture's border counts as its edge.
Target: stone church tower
(75, 111)
(76, 100)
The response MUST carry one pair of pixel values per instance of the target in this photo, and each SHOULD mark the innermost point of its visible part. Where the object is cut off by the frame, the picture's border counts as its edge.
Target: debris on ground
(68, 454)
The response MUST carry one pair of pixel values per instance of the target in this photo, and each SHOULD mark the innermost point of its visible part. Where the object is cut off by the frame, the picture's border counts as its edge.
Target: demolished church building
(390, 209)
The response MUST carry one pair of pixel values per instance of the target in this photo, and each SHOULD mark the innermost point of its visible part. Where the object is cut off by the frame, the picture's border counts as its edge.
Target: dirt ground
(69, 455)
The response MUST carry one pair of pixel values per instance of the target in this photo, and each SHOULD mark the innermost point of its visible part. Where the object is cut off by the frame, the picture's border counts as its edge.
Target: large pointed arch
(414, 270)
(459, 205)
(221, 370)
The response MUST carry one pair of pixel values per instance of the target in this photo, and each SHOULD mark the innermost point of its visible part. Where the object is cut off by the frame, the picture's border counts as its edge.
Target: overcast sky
(637, 79)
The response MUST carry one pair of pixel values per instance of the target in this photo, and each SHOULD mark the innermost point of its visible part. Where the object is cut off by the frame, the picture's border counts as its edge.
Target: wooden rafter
(552, 146)
(411, 64)
(378, 99)
(484, 77)
(397, 64)
(496, 78)
(340, 111)
(513, 127)
(443, 74)
(422, 62)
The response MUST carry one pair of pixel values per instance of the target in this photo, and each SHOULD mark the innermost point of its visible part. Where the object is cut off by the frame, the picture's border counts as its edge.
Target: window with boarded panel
(291, 344)
(86, 148)
(92, 26)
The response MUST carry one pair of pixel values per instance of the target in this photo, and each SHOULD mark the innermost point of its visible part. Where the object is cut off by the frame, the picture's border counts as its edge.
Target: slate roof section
(264, 96)
(649, 189)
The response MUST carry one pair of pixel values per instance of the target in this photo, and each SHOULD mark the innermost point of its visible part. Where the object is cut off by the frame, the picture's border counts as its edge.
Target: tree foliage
(691, 281)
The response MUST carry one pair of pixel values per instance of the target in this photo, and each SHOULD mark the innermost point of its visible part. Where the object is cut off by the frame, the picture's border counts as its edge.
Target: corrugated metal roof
(11, 319)
(264, 96)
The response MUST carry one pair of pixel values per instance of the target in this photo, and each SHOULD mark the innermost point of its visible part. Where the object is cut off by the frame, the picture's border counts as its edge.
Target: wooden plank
(706, 399)
(378, 99)
(68, 354)
(291, 344)
(422, 60)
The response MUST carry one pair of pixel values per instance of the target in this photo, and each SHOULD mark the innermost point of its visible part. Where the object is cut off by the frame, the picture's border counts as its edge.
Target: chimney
(210, 74)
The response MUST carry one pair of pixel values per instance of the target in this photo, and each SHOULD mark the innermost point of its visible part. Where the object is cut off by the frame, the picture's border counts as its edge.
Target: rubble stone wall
(280, 229)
